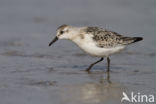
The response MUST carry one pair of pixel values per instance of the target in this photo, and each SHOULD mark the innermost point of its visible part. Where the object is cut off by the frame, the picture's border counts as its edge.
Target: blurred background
(33, 73)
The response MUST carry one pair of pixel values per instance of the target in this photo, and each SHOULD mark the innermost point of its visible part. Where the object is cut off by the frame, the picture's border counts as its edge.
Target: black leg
(108, 63)
(88, 69)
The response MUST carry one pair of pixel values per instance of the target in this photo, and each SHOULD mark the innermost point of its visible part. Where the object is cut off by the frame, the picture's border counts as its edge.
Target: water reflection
(98, 90)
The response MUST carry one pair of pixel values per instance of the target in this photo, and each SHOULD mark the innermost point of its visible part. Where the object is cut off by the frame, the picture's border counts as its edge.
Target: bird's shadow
(101, 77)
(97, 88)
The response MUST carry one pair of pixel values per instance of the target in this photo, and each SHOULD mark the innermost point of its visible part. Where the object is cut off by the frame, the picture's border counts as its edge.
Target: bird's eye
(61, 32)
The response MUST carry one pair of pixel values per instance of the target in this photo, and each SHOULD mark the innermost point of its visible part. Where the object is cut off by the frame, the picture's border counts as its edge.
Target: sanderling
(95, 41)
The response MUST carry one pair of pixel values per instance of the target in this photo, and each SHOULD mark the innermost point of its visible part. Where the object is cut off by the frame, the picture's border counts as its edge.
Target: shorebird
(95, 41)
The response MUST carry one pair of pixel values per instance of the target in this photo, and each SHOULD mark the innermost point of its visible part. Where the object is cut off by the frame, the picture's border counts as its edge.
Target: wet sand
(33, 73)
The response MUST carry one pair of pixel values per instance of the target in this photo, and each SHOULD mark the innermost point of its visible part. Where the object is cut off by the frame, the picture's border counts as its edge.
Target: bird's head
(63, 32)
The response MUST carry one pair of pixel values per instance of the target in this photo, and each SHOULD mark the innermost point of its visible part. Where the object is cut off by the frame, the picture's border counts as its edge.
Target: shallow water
(33, 73)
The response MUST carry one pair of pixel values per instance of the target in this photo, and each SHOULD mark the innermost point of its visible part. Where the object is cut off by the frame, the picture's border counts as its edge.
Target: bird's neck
(76, 34)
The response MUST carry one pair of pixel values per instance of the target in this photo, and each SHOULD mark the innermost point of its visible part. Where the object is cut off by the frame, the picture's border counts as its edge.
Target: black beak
(53, 41)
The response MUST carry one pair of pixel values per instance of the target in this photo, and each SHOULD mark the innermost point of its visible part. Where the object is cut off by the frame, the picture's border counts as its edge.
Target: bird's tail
(136, 39)
(129, 40)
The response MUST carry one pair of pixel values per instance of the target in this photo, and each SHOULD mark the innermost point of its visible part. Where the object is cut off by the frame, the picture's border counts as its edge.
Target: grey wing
(108, 39)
